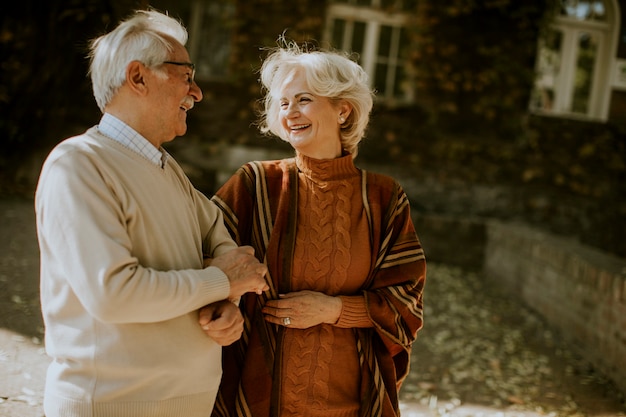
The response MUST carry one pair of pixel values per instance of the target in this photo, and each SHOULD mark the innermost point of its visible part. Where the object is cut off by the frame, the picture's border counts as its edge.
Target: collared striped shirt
(117, 130)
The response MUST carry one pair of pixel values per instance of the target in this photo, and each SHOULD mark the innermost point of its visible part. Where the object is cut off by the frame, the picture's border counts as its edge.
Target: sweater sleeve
(217, 239)
(86, 248)
(353, 312)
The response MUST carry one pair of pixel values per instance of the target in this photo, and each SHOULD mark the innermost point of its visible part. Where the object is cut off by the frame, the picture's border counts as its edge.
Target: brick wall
(579, 290)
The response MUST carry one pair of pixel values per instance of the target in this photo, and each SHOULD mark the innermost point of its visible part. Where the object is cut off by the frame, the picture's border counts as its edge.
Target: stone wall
(451, 240)
(577, 289)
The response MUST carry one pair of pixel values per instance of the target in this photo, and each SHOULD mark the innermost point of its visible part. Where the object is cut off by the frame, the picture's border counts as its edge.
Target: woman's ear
(344, 111)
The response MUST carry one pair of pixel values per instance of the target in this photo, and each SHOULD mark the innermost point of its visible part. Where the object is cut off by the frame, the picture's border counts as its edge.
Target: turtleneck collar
(327, 169)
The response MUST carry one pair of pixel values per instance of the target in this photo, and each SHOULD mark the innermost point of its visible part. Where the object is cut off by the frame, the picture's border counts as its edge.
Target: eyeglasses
(185, 64)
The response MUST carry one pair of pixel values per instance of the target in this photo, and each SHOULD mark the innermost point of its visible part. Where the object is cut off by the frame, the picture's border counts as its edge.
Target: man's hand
(244, 271)
(221, 321)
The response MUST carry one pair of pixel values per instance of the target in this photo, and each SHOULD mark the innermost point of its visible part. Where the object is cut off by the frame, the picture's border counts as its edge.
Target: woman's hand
(303, 309)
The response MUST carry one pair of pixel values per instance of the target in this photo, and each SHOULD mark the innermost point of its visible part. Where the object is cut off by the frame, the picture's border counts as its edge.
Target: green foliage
(301, 20)
(45, 90)
(256, 26)
(474, 59)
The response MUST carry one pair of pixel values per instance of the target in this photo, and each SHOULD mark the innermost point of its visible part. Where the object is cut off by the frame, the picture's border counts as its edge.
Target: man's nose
(196, 92)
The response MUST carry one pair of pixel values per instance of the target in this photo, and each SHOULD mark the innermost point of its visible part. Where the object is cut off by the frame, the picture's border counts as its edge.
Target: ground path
(481, 354)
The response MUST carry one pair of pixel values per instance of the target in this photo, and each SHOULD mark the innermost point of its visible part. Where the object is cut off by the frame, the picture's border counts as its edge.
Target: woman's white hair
(329, 74)
(146, 37)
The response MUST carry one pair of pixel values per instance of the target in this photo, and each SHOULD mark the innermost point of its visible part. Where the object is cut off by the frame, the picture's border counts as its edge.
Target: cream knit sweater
(122, 242)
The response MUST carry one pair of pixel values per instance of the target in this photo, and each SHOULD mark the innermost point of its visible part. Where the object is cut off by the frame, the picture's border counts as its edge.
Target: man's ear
(136, 73)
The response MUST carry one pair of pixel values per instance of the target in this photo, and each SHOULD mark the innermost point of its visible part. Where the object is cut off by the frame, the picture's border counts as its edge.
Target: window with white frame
(575, 59)
(375, 30)
(209, 37)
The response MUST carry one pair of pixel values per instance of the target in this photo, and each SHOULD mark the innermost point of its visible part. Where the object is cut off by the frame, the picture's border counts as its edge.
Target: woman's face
(310, 123)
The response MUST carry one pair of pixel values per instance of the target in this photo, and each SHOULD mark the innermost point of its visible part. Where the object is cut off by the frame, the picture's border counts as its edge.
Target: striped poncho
(260, 209)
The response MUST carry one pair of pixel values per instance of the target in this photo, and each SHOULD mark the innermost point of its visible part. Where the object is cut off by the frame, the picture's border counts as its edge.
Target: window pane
(358, 37)
(383, 59)
(399, 87)
(339, 26)
(584, 10)
(404, 42)
(548, 69)
(587, 51)
(384, 42)
(390, 72)
(599, 10)
(380, 79)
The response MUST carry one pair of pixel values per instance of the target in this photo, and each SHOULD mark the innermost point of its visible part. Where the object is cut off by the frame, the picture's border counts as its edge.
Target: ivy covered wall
(474, 60)
(473, 65)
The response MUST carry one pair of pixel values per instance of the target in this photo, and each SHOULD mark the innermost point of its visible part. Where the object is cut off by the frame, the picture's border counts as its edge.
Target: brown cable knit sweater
(332, 255)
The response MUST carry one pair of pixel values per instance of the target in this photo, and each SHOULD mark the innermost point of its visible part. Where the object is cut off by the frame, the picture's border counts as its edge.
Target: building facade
(579, 65)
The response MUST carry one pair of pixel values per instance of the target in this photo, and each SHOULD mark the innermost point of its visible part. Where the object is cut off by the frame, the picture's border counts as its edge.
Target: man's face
(174, 95)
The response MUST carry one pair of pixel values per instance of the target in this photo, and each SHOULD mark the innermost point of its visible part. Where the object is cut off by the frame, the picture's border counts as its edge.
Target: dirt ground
(479, 354)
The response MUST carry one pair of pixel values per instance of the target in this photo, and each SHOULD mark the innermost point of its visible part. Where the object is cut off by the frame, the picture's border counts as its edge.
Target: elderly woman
(332, 336)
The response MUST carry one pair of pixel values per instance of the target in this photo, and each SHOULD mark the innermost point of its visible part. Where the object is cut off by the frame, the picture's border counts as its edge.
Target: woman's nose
(293, 110)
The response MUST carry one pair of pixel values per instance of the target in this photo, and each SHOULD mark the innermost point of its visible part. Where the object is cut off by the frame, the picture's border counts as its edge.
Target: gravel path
(481, 354)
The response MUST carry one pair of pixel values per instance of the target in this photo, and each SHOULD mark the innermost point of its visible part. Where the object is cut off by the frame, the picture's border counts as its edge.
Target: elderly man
(125, 238)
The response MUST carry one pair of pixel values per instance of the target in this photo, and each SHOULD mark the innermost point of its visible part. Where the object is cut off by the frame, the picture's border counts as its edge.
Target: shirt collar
(119, 131)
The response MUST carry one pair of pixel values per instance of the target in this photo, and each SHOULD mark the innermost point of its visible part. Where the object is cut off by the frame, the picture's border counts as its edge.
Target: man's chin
(181, 132)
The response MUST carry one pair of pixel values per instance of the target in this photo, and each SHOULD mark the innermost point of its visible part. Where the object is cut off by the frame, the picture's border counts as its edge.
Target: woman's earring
(341, 120)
